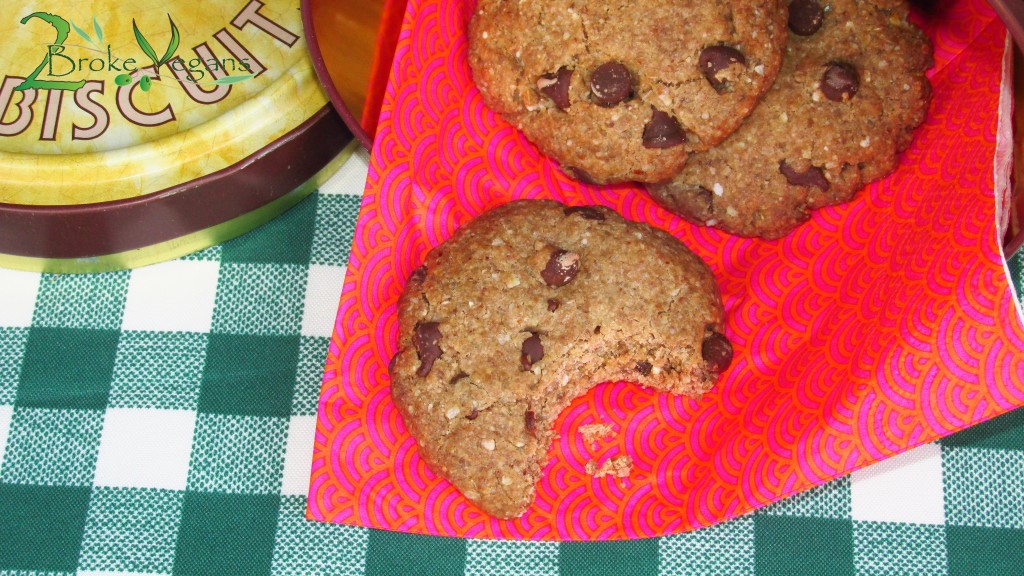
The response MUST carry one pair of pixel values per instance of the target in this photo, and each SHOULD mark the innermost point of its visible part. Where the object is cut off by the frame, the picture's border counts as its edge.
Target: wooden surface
(347, 33)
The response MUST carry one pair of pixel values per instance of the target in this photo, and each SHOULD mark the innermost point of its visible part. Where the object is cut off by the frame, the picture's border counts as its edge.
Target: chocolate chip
(530, 422)
(418, 275)
(553, 304)
(714, 59)
(556, 87)
(473, 415)
(611, 83)
(805, 17)
(427, 340)
(663, 131)
(840, 81)
(706, 200)
(597, 329)
(533, 351)
(458, 377)
(561, 268)
(644, 367)
(585, 212)
(813, 176)
(717, 352)
(579, 174)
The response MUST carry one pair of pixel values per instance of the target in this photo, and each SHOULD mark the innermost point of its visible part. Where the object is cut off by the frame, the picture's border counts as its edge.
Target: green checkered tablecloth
(160, 421)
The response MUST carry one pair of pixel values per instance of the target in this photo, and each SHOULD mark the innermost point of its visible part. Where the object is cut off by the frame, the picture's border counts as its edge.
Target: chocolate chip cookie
(851, 91)
(526, 308)
(620, 91)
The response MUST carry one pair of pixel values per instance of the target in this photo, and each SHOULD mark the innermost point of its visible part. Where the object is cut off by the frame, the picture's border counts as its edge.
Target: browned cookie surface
(526, 308)
(617, 91)
(851, 91)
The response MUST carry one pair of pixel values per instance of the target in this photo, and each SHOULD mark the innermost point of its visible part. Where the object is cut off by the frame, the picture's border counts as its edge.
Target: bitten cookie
(851, 91)
(620, 91)
(528, 307)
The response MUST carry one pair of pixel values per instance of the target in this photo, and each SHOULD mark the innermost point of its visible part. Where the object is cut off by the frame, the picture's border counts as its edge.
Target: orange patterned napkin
(880, 325)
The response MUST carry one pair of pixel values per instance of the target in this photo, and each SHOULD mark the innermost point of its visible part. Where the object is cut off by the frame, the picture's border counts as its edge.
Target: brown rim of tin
(320, 66)
(1012, 14)
(100, 229)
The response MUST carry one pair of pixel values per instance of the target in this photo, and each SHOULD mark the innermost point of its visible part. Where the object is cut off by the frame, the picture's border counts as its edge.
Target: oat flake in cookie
(526, 308)
(622, 91)
(851, 91)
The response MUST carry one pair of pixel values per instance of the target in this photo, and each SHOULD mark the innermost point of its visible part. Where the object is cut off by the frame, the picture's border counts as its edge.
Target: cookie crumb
(618, 466)
(598, 431)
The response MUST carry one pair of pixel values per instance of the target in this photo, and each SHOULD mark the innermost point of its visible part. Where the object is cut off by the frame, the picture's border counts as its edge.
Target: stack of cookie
(625, 91)
(745, 115)
(730, 119)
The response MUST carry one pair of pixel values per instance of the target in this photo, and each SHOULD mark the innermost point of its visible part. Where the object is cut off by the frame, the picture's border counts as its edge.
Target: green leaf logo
(173, 44)
(147, 48)
(96, 28)
(145, 82)
(82, 33)
(144, 44)
(232, 79)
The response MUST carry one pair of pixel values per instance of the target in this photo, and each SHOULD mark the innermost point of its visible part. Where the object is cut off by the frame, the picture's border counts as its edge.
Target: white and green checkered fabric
(160, 421)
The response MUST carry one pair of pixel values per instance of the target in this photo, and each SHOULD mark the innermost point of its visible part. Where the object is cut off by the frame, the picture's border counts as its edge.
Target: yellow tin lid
(107, 103)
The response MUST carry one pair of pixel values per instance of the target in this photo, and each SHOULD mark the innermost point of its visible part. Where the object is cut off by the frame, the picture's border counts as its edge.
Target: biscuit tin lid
(107, 101)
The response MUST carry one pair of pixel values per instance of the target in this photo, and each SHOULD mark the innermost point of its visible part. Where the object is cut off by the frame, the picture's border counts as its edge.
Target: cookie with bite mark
(851, 92)
(526, 308)
(624, 91)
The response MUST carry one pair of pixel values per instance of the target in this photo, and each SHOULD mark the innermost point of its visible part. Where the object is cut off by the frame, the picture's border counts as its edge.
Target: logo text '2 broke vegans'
(206, 78)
